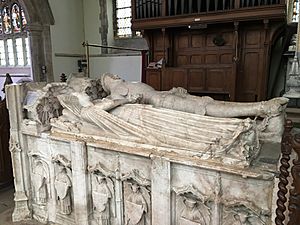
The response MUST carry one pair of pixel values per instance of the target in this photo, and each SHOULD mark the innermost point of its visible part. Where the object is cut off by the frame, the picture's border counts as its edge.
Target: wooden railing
(289, 143)
(157, 8)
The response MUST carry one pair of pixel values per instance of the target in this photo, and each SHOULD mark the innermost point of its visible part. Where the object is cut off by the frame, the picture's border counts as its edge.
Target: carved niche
(244, 213)
(40, 179)
(103, 194)
(63, 184)
(137, 198)
(192, 207)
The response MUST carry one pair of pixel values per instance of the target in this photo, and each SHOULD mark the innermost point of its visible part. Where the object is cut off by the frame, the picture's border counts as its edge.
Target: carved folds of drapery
(63, 184)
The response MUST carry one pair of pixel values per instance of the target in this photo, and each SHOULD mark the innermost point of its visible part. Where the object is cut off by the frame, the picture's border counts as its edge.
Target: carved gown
(164, 127)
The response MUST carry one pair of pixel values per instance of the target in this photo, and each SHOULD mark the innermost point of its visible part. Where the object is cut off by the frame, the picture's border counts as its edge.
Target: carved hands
(136, 98)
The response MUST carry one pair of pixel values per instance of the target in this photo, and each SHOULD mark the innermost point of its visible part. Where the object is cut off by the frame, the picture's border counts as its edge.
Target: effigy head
(108, 79)
(82, 84)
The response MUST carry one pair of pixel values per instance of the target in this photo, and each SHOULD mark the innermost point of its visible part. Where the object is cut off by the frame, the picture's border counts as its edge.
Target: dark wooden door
(5, 160)
(252, 72)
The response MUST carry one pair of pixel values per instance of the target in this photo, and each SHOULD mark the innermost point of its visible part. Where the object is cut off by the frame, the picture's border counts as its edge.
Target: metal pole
(112, 47)
(87, 57)
(142, 51)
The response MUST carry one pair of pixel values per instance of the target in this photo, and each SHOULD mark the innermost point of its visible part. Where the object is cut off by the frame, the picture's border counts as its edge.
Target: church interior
(149, 112)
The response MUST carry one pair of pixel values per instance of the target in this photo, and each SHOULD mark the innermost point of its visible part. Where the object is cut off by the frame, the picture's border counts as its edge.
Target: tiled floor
(7, 206)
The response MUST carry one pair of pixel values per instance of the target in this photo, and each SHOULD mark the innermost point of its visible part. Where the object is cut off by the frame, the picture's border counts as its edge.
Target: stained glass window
(123, 18)
(16, 18)
(14, 43)
(6, 20)
(296, 11)
(24, 21)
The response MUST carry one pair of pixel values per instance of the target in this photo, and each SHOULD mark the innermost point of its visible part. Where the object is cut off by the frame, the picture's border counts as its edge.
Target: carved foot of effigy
(274, 106)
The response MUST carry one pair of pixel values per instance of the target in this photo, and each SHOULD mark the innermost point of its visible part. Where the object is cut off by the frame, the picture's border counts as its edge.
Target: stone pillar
(14, 97)
(79, 172)
(41, 56)
(48, 53)
(119, 195)
(103, 30)
(161, 191)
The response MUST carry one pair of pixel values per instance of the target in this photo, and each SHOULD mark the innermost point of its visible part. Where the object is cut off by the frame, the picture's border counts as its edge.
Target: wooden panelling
(215, 80)
(226, 58)
(211, 59)
(196, 59)
(158, 55)
(174, 77)
(228, 37)
(196, 80)
(197, 40)
(158, 41)
(183, 41)
(183, 60)
(153, 78)
(204, 63)
(209, 40)
(252, 38)
(252, 66)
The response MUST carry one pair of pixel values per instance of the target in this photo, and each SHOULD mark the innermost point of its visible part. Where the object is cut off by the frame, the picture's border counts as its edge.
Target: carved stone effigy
(111, 152)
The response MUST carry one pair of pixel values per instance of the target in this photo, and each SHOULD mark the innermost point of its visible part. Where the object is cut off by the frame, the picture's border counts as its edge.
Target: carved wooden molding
(286, 149)
(294, 201)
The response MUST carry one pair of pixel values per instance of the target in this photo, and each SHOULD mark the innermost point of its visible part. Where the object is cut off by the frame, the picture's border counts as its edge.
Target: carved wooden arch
(39, 17)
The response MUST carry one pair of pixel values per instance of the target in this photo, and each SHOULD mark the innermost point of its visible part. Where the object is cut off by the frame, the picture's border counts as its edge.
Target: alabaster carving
(109, 152)
(61, 160)
(136, 112)
(40, 177)
(103, 194)
(137, 205)
(63, 187)
(245, 213)
(193, 208)
(14, 146)
(137, 198)
(63, 184)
